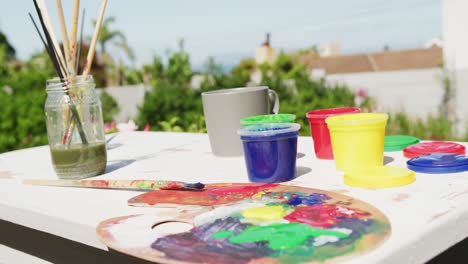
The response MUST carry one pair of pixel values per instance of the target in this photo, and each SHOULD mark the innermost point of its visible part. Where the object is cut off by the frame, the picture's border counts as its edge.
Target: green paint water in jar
(75, 128)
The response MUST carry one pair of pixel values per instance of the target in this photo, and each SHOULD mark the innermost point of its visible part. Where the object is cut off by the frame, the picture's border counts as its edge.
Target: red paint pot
(319, 129)
(433, 147)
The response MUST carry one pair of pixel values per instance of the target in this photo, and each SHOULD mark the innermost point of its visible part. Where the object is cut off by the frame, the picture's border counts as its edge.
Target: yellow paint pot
(357, 139)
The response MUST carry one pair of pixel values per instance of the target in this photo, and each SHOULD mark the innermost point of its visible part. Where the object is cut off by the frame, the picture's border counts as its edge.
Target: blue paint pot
(270, 151)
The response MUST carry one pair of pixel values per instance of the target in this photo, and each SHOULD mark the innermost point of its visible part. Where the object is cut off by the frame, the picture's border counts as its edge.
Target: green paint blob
(143, 185)
(222, 234)
(282, 236)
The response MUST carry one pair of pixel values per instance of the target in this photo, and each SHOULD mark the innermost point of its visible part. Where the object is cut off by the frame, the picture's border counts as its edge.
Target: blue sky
(230, 30)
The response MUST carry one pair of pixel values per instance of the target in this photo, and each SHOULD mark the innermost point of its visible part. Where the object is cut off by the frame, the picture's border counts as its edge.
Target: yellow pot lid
(379, 177)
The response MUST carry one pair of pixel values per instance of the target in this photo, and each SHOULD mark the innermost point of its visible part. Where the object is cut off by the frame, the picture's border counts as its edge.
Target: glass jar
(75, 128)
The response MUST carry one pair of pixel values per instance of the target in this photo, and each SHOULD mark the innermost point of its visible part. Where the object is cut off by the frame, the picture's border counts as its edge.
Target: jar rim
(57, 84)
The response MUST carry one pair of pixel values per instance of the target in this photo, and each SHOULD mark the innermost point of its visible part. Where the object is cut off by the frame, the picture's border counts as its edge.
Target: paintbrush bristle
(197, 186)
(177, 186)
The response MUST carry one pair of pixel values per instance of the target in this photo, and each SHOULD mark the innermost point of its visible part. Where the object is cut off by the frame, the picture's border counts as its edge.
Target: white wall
(455, 34)
(417, 92)
(128, 98)
(461, 84)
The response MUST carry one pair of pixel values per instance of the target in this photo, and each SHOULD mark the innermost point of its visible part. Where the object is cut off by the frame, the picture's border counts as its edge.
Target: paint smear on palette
(307, 229)
(266, 224)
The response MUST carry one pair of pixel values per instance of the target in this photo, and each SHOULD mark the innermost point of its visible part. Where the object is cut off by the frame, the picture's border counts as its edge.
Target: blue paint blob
(295, 201)
(314, 198)
(270, 151)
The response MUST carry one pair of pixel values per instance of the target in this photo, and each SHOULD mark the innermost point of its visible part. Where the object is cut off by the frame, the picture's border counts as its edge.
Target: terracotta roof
(377, 61)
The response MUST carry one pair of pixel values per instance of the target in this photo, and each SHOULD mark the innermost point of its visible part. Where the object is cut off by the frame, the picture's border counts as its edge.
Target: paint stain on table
(176, 150)
(401, 197)
(6, 175)
(454, 195)
(437, 216)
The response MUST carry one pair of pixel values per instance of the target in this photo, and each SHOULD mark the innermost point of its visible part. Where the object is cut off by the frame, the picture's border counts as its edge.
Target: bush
(22, 98)
(432, 128)
(110, 107)
(169, 101)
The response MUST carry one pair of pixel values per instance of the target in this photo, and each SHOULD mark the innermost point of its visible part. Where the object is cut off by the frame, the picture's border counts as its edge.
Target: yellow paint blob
(265, 212)
(259, 195)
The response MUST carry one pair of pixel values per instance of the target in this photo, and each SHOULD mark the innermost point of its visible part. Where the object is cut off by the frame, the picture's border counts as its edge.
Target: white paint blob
(322, 240)
(223, 212)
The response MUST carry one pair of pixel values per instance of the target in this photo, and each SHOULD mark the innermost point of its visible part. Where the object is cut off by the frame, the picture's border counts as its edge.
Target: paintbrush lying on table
(132, 185)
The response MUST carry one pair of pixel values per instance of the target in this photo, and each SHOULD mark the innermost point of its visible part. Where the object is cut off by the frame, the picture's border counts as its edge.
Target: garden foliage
(174, 102)
(174, 99)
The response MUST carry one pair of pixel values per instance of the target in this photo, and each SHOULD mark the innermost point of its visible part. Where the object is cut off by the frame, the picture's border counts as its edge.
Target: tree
(152, 72)
(108, 35)
(97, 71)
(10, 51)
(114, 71)
(178, 68)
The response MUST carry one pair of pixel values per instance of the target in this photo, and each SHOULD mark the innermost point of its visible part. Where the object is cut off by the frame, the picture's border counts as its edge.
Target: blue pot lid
(439, 163)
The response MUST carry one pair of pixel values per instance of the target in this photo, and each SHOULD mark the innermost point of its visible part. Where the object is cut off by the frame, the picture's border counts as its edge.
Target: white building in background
(395, 79)
(434, 43)
(265, 53)
(455, 35)
(330, 49)
(129, 99)
(409, 80)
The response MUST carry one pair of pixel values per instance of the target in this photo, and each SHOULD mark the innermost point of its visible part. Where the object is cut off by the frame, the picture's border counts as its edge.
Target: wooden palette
(249, 223)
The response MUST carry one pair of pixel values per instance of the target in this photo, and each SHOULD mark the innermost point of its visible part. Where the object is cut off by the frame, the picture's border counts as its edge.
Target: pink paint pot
(319, 129)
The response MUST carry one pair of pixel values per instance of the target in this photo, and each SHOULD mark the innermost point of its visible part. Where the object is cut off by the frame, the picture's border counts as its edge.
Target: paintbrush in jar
(129, 185)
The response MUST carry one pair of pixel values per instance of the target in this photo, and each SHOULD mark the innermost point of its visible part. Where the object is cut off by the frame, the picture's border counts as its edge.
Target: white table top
(427, 217)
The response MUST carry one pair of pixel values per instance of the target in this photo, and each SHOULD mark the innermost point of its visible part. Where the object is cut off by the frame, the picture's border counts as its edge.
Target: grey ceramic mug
(225, 108)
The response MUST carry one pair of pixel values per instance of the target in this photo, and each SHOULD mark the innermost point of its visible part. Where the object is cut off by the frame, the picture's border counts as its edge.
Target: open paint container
(270, 151)
(357, 139)
(319, 129)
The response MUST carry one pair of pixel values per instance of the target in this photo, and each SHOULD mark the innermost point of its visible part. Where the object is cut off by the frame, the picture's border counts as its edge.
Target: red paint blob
(100, 183)
(322, 215)
(244, 190)
(173, 186)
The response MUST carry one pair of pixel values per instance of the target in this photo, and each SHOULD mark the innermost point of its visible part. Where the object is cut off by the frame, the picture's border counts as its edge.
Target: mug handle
(273, 96)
